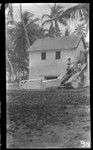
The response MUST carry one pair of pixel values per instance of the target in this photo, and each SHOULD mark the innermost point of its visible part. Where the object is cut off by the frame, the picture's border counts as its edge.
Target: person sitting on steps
(69, 70)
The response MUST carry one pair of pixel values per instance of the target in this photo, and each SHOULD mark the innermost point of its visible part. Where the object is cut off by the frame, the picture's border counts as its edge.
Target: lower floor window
(50, 77)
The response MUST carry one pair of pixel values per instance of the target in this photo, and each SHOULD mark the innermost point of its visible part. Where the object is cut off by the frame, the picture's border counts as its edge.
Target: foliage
(67, 32)
(10, 15)
(20, 43)
(78, 18)
(53, 20)
(80, 29)
(10, 23)
(16, 43)
(81, 8)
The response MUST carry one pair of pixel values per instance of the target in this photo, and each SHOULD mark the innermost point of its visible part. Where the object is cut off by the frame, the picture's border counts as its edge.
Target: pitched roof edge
(30, 49)
(72, 48)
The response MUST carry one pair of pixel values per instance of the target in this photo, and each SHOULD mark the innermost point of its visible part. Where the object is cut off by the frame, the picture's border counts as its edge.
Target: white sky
(38, 9)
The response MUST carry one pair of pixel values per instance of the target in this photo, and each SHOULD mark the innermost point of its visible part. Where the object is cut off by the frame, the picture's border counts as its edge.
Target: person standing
(69, 63)
(69, 66)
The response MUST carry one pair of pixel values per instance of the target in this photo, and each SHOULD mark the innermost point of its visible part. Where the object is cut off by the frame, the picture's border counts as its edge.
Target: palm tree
(83, 12)
(78, 18)
(19, 38)
(78, 13)
(80, 29)
(67, 31)
(53, 20)
(9, 21)
(24, 34)
(81, 8)
(24, 25)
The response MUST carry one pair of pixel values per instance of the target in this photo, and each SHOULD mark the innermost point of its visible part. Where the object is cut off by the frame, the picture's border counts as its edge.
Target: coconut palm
(78, 13)
(10, 17)
(9, 22)
(53, 20)
(80, 29)
(83, 12)
(19, 38)
(25, 33)
(24, 21)
(67, 31)
(81, 8)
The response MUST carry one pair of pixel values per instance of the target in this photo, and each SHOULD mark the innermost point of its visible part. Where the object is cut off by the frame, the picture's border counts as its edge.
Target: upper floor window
(58, 55)
(43, 56)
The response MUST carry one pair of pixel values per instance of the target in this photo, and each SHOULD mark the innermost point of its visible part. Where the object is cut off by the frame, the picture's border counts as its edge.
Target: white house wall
(39, 68)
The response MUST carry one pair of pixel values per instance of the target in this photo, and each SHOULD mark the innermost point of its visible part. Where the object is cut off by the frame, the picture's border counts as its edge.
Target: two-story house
(48, 56)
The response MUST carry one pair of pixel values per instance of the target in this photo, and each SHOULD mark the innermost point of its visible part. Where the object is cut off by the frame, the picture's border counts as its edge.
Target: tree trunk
(57, 30)
(26, 34)
(12, 70)
(10, 14)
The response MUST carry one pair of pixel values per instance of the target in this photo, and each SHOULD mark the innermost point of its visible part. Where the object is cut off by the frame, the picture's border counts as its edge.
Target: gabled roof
(66, 42)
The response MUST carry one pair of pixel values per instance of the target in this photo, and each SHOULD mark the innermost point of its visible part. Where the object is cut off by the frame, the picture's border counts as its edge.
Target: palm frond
(27, 16)
(49, 6)
(57, 30)
(32, 21)
(81, 8)
(46, 15)
(45, 30)
(80, 29)
(47, 21)
(63, 21)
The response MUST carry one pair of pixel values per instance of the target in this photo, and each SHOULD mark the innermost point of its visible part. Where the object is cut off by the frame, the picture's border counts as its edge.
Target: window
(58, 56)
(50, 77)
(43, 55)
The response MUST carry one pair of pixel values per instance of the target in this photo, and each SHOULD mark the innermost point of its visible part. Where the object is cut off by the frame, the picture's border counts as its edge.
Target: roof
(66, 42)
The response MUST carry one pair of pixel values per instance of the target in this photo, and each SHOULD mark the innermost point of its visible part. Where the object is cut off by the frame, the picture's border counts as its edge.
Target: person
(68, 73)
(69, 65)
(79, 66)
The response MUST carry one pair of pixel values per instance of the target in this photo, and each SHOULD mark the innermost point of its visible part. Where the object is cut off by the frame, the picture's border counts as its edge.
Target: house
(48, 56)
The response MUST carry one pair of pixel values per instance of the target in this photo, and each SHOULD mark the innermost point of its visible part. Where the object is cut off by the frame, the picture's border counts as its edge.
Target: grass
(28, 112)
(34, 109)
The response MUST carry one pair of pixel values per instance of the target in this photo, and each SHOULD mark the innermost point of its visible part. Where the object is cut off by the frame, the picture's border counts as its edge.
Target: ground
(36, 125)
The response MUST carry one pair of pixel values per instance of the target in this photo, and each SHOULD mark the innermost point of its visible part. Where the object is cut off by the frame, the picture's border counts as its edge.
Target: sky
(38, 9)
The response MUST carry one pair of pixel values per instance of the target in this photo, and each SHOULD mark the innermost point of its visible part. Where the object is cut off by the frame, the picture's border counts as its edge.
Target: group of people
(70, 67)
(71, 70)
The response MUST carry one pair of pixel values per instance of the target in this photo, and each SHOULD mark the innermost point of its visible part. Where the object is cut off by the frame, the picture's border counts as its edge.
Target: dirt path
(68, 134)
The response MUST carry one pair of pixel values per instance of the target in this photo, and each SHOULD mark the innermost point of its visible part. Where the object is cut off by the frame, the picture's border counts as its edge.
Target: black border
(3, 62)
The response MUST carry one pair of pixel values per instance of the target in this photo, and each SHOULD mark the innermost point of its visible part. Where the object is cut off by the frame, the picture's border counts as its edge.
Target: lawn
(36, 118)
